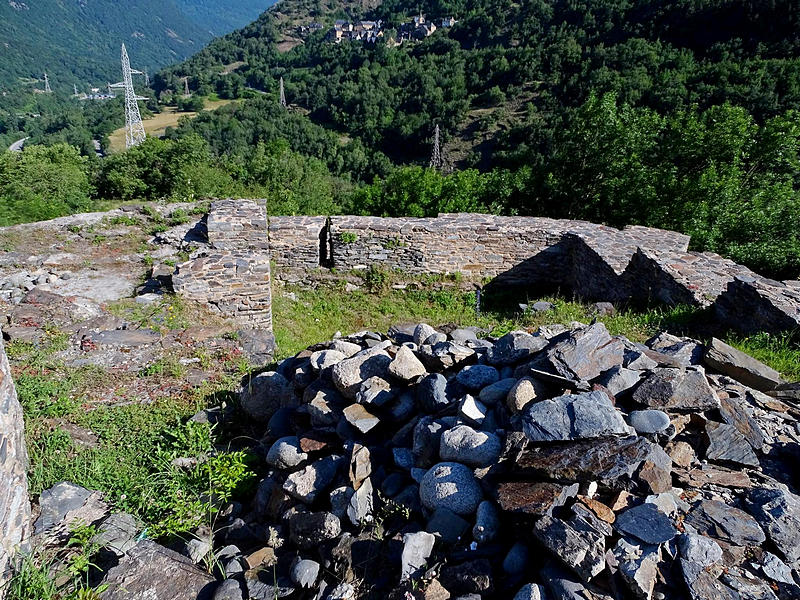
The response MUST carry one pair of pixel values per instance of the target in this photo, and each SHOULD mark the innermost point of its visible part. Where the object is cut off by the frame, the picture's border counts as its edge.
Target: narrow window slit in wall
(326, 246)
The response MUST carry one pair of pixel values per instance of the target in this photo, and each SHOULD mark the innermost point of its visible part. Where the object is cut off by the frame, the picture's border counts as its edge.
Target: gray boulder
(727, 523)
(477, 377)
(619, 380)
(285, 453)
(699, 549)
(649, 421)
(474, 448)
(304, 573)
(452, 486)
(727, 444)
(576, 542)
(264, 394)
(308, 530)
(350, 373)
(375, 391)
(322, 359)
(432, 392)
(530, 591)
(492, 394)
(405, 365)
(487, 523)
(515, 347)
(422, 332)
(638, 565)
(304, 485)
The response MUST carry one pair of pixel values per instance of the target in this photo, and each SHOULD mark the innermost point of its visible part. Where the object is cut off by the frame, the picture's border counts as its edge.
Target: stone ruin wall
(233, 274)
(15, 508)
(594, 262)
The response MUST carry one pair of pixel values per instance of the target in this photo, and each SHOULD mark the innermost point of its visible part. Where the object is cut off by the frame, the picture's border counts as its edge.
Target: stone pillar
(15, 507)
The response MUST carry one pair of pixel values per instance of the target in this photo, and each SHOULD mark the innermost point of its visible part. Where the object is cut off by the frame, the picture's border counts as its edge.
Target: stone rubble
(468, 468)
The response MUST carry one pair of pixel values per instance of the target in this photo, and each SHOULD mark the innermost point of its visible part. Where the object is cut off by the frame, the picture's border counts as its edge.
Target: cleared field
(157, 124)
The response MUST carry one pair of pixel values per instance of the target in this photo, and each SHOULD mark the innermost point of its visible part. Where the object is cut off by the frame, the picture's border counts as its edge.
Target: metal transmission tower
(283, 95)
(74, 90)
(47, 89)
(436, 155)
(186, 86)
(134, 129)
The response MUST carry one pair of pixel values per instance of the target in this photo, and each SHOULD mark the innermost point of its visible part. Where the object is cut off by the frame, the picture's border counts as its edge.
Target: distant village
(368, 32)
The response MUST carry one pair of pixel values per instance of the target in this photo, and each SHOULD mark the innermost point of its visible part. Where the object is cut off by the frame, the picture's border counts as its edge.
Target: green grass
(317, 314)
(781, 352)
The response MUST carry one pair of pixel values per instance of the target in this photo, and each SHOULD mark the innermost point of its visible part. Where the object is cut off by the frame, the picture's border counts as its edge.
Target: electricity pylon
(436, 155)
(47, 89)
(134, 129)
(283, 95)
(74, 90)
(186, 87)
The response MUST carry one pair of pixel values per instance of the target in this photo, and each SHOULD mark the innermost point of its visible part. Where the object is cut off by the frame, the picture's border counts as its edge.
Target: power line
(283, 95)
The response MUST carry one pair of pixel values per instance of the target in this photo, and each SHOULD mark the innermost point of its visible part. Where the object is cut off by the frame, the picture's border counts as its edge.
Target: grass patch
(781, 352)
(170, 312)
(316, 315)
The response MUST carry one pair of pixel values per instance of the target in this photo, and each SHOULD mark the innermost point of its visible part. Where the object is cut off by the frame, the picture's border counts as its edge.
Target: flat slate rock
(151, 572)
(676, 389)
(608, 460)
(534, 497)
(645, 522)
(720, 521)
(727, 444)
(741, 367)
(778, 512)
(575, 543)
(585, 353)
(734, 413)
(125, 337)
(574, 417)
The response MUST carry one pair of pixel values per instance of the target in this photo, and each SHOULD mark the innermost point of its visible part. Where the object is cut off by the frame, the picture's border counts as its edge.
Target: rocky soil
(561, 464)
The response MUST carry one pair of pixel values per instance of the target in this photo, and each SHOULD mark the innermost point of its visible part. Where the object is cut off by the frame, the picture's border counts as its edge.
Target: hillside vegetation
(79, 42)
(676, 115)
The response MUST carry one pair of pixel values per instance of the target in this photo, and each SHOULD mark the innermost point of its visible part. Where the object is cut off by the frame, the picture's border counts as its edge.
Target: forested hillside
(669, 114)
(78, 42)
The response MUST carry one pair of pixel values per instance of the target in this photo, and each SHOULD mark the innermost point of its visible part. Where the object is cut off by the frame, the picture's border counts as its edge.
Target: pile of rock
(14, 287)
(563, 464)
(568, 463)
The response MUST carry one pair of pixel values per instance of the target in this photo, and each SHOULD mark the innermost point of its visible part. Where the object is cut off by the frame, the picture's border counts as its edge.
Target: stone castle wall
(233, 274)
(591, 261)
(15, 508)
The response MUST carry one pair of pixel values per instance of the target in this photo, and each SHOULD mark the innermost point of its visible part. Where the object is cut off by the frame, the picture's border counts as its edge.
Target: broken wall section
(232, 275)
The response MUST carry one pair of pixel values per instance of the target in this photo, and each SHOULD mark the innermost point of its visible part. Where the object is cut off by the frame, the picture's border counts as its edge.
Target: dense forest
(669, 114)
(78, 42)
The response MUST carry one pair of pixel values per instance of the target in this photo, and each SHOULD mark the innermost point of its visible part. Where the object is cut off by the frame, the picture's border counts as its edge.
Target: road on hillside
(17, 146)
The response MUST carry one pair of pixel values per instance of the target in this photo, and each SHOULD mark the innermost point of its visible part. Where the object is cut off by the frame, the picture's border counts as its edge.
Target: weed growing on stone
(59, 574)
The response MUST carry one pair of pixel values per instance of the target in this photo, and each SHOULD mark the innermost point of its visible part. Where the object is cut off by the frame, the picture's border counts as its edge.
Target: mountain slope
(221, 16)
(78, 41)
(502, 81)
